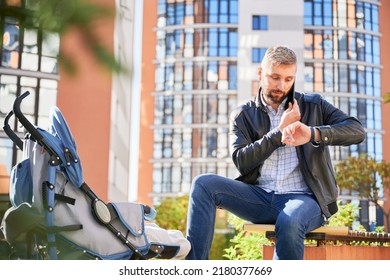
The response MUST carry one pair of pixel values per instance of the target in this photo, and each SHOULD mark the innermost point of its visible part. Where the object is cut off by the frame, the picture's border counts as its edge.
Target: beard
(274, 96)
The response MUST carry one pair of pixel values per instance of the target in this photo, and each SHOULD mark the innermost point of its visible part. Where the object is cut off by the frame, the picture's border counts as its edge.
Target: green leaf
(60, 16)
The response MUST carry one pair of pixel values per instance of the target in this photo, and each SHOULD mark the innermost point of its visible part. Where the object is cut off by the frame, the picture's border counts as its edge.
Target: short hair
(279, 55)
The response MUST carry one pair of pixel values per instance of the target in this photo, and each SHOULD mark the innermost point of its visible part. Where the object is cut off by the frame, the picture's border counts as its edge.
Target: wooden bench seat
(329, 250)
(320, 234)
(329, 230)
(325, 233)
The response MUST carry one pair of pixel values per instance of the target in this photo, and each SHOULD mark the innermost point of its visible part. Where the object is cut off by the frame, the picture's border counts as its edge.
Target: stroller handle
(38, 137)
(11, 134)
(23, 120)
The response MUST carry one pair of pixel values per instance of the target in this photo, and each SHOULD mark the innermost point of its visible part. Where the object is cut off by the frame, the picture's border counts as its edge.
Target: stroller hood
(60, 138)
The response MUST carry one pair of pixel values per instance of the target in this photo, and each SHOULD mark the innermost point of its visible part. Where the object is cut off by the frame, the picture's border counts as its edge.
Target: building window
(185, 43)
(222, 42)
(179, 12)
(354, 14)
(28, 63)
(258, 54)
(221, 11)
(260, 22)
(350, 45)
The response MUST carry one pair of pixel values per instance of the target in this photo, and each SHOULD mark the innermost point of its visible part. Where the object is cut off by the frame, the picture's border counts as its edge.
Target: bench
(325, 233)
(349, 244)
(320, 234)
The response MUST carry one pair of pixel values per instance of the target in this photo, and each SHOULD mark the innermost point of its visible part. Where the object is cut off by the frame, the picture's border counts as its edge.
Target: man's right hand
(291, 115)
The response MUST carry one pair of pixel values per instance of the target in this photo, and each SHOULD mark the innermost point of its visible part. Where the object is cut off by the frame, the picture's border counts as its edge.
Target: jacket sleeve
(338, 128)
(249, 149)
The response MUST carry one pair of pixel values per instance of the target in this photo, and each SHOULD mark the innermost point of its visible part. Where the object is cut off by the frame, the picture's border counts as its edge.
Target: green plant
(367, 178)
(346, 216)
(61, 16)
(244, 246)
(220, 242)
(386, 97)
(172, 214)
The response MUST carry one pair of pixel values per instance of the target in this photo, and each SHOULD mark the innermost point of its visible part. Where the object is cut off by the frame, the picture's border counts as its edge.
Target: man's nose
(282, 85)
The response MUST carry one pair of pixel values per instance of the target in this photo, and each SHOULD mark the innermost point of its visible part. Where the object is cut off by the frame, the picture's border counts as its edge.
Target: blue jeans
(293, 214)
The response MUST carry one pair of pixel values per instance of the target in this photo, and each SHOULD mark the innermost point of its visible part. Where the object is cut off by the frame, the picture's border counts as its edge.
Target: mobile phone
(290, 96)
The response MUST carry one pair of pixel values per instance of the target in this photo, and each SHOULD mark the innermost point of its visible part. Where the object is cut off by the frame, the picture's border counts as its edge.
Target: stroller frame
(105, 214)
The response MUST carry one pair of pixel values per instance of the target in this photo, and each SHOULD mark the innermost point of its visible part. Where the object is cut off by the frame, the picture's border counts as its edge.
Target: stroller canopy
(60, 138)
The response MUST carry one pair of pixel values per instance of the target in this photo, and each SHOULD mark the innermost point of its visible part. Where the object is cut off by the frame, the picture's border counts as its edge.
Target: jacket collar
(258, 99)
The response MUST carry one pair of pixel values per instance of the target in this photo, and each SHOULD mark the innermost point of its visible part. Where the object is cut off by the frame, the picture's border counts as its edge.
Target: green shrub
(172, 214)
(244, 246)
(346, 216)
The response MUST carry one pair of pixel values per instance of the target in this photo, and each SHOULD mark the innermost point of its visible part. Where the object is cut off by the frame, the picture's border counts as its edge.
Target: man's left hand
(296, 134)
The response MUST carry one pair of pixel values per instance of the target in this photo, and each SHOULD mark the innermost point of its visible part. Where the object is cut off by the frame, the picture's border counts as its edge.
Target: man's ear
(259, 71)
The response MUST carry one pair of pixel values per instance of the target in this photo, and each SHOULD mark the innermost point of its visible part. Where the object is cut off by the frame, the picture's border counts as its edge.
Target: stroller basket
(56, 215)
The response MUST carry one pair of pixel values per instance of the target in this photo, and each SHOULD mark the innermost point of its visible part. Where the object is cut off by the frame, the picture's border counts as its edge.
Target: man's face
(276, 81)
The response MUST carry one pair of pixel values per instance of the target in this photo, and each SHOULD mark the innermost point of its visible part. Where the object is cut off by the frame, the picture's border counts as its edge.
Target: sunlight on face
(276, 81)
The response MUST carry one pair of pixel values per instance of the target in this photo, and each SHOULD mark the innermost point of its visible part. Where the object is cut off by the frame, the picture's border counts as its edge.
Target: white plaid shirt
(280, 172)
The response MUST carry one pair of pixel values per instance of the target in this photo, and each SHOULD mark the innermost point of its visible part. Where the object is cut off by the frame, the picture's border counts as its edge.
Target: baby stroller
(56, 215)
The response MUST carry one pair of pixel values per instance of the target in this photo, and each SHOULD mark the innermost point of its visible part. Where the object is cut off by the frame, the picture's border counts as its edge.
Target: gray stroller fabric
(92, 236)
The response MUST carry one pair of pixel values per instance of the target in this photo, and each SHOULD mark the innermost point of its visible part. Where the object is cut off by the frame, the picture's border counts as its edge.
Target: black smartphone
(290, 96)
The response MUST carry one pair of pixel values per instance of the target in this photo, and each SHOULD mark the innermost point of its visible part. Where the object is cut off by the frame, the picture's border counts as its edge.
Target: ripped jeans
(293, 214)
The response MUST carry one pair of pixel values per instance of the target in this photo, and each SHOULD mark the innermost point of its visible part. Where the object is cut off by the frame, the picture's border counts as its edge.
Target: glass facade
(28, 63)
(342, 62)
(196, 84)
(196, 79)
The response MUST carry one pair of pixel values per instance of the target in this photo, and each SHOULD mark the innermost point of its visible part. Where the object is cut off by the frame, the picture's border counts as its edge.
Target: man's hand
(296, 134)
(290, 115)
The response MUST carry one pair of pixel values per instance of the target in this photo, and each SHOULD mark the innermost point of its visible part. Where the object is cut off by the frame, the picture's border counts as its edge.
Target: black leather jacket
(252, 142)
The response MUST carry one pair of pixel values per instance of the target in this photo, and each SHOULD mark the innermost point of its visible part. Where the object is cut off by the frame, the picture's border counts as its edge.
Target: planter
(338, 252)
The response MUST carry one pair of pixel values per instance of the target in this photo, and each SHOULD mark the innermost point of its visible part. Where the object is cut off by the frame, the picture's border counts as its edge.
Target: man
(279, 144)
